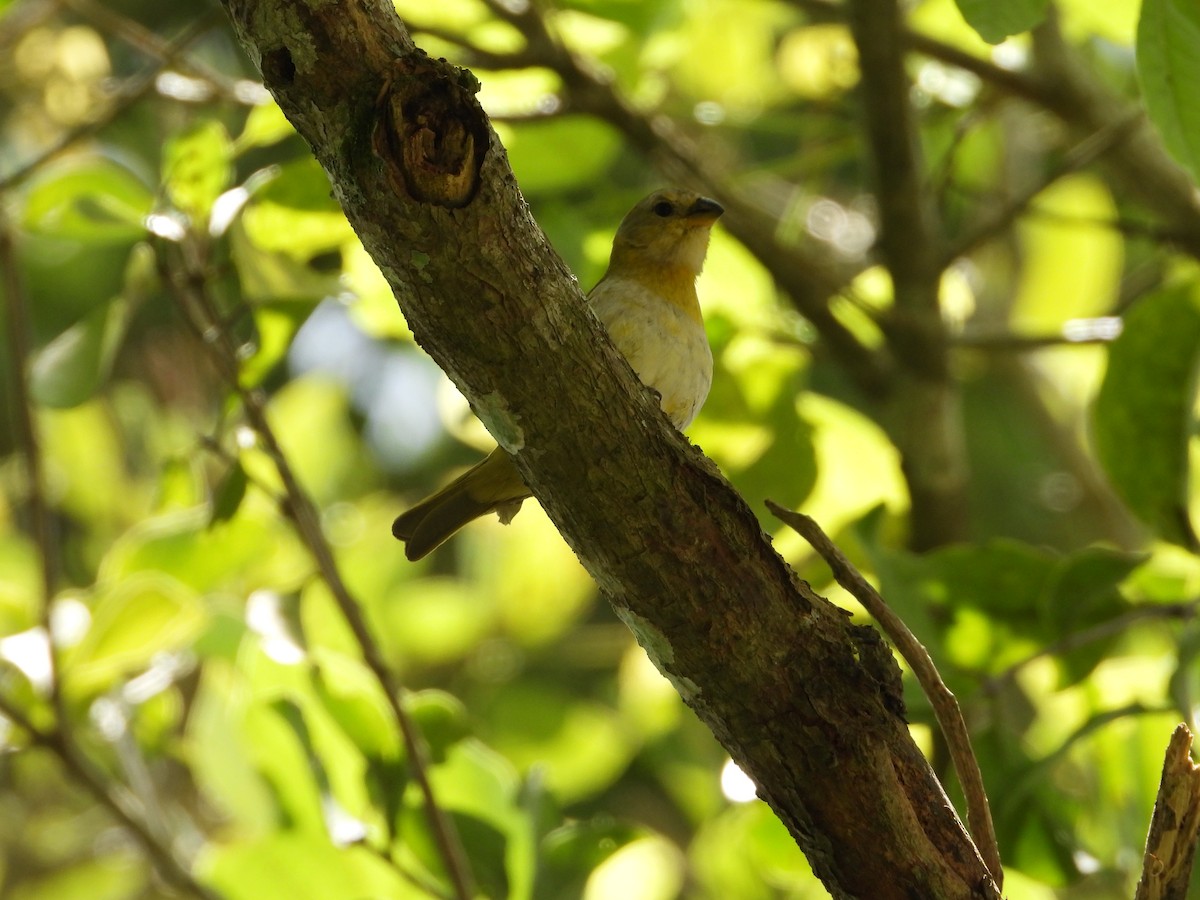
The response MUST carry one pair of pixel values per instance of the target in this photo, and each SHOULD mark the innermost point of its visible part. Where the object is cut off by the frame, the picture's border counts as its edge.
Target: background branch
(187, 278)
(99, 786)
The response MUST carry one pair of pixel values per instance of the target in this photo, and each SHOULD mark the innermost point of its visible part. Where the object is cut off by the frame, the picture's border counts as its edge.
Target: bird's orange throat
(674, 283)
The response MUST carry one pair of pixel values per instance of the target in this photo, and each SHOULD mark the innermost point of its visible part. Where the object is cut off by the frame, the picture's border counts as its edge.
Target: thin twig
(945, 707)
(40, 520)
(1073, 333)
(85, 773)
(189, 285)
(59, 740)
(19, 354)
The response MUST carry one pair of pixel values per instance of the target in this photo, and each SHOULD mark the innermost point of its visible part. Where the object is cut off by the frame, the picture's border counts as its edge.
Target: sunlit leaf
(570, 854)
(647, 698)
(819, 60)
(131, 623)
(652, 863)
(93, 200)
(1169, 70)
(277, 740)
(727, 55)
(1184, 685)
(265, 125)
(581, 747)
(300, 185)
(996, 21)
(104, 878)
(1143, 413)
(197, 167)
(1072, 225)
(302, 866)
(739, 850)
(351, 694)
(477, 789)
(536, 149)
(20, 577)
(441, 621)
(182, 543)
(275, 328)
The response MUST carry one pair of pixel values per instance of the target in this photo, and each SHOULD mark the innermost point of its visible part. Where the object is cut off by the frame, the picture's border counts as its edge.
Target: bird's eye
(663, 208)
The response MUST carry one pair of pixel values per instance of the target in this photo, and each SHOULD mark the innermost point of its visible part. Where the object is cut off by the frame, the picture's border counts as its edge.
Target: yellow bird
(647, 301)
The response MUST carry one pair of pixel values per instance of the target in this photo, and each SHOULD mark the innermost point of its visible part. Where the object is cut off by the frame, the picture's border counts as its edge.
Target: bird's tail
(491, 485)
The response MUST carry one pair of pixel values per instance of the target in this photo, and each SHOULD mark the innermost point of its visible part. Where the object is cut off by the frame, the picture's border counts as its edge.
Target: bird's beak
(704, 211)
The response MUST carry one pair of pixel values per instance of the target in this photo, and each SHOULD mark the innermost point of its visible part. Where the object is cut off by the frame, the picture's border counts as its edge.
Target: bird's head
(670, 228)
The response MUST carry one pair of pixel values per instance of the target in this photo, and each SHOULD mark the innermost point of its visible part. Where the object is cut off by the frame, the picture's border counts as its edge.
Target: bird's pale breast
(665, 345)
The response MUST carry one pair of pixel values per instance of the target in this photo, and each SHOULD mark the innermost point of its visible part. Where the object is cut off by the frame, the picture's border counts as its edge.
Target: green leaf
(20, 584)
(198, 167)
(1142, 414)
(73, 366)
(245, 550)
(352, 696)
(569, 854)
(1168, 63)
(1083, 588)
(110, 877)
(301, 185)
(1084, 591)
(537, 150)
(266, 125)
(94, 200)
(441, 718)
(229, 494)
(139, 618)
(996, 20)
(300, 866)
(480, 789)
(1184, 684)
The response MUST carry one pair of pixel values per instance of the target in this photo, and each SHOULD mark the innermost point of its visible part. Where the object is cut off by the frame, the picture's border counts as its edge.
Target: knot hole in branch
(431, 134)
(278, 68)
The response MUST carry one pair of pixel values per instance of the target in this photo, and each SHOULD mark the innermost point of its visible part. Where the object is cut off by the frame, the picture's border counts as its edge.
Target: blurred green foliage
(202, 663)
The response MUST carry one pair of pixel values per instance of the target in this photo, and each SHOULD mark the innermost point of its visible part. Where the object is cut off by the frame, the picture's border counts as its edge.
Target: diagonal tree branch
(806, 702)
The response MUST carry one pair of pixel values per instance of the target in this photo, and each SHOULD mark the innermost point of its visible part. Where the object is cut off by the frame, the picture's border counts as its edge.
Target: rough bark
(1171, 842)
(805, 701)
